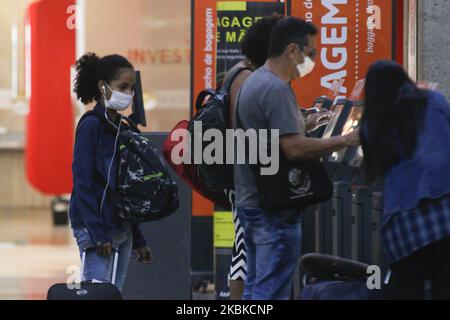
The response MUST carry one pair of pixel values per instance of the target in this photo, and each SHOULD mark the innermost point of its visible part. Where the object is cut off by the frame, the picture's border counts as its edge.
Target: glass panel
(12, 83)
(156, 39)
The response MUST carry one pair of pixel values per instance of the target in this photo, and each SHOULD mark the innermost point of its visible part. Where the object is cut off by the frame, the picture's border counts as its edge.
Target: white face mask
(306, 67)
(119, 101)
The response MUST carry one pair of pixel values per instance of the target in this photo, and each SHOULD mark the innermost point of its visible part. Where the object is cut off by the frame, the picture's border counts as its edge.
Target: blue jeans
(273, 250)
(98, 268)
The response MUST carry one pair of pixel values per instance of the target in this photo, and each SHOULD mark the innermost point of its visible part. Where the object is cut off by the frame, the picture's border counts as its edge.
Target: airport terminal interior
(181, 47)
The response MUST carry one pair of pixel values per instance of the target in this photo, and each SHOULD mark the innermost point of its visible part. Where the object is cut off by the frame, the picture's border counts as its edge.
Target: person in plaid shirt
(405, 135)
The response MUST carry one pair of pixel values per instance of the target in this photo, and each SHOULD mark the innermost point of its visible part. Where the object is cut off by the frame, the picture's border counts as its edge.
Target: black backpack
(214, 113)
(144, 190)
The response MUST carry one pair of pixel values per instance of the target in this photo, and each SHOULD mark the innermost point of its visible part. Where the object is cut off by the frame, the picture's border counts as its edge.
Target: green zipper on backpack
(153, 176)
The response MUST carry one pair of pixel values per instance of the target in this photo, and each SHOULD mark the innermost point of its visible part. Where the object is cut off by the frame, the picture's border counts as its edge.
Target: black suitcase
(87, 291)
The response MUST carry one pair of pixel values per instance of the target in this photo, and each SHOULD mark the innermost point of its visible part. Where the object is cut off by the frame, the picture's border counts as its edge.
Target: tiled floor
(33, 254)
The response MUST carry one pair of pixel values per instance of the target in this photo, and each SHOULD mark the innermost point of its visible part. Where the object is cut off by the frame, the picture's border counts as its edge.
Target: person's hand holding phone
(352, 138)
(317, 120)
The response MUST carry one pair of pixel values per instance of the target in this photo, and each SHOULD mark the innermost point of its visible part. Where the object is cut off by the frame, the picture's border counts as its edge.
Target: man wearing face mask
(109, 81)
(266, 101)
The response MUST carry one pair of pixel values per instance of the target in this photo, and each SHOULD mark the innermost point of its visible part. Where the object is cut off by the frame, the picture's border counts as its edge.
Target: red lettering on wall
(163, 56)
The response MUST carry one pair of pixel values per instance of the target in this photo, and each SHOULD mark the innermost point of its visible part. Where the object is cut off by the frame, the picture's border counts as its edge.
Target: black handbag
(296, 185)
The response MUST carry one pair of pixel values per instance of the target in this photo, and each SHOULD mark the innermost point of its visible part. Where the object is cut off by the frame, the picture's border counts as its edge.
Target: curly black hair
(255, 45)
(91, 69)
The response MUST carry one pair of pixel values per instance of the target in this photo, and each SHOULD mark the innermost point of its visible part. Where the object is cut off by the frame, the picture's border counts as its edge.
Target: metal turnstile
(342, 219)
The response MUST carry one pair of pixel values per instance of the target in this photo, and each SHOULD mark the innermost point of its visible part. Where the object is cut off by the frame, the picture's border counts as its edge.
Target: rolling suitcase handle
(327, 267)
(114, 268)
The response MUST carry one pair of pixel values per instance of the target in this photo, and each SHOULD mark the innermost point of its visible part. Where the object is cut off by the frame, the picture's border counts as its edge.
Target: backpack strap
(326, 266)
(102, 119)
(238, 118)
(231, 77)
(131, 124)
(86, 115)
(202, 96)
(100, 116)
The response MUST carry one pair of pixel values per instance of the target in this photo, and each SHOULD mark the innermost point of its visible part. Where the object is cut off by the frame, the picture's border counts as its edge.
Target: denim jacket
(93, 153)
(427, 173)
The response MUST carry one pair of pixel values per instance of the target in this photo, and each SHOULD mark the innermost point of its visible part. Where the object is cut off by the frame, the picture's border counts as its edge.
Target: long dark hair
(91, 69)
(392, 119)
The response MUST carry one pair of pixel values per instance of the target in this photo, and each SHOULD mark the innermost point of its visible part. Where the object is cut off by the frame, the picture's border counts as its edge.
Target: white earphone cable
(112, 160)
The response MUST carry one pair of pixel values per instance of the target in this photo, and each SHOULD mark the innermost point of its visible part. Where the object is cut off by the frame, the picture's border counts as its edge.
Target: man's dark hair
(289, 30)
(255, 44)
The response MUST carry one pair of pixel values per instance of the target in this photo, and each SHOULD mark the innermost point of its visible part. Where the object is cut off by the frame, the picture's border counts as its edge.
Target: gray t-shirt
(264, 102)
